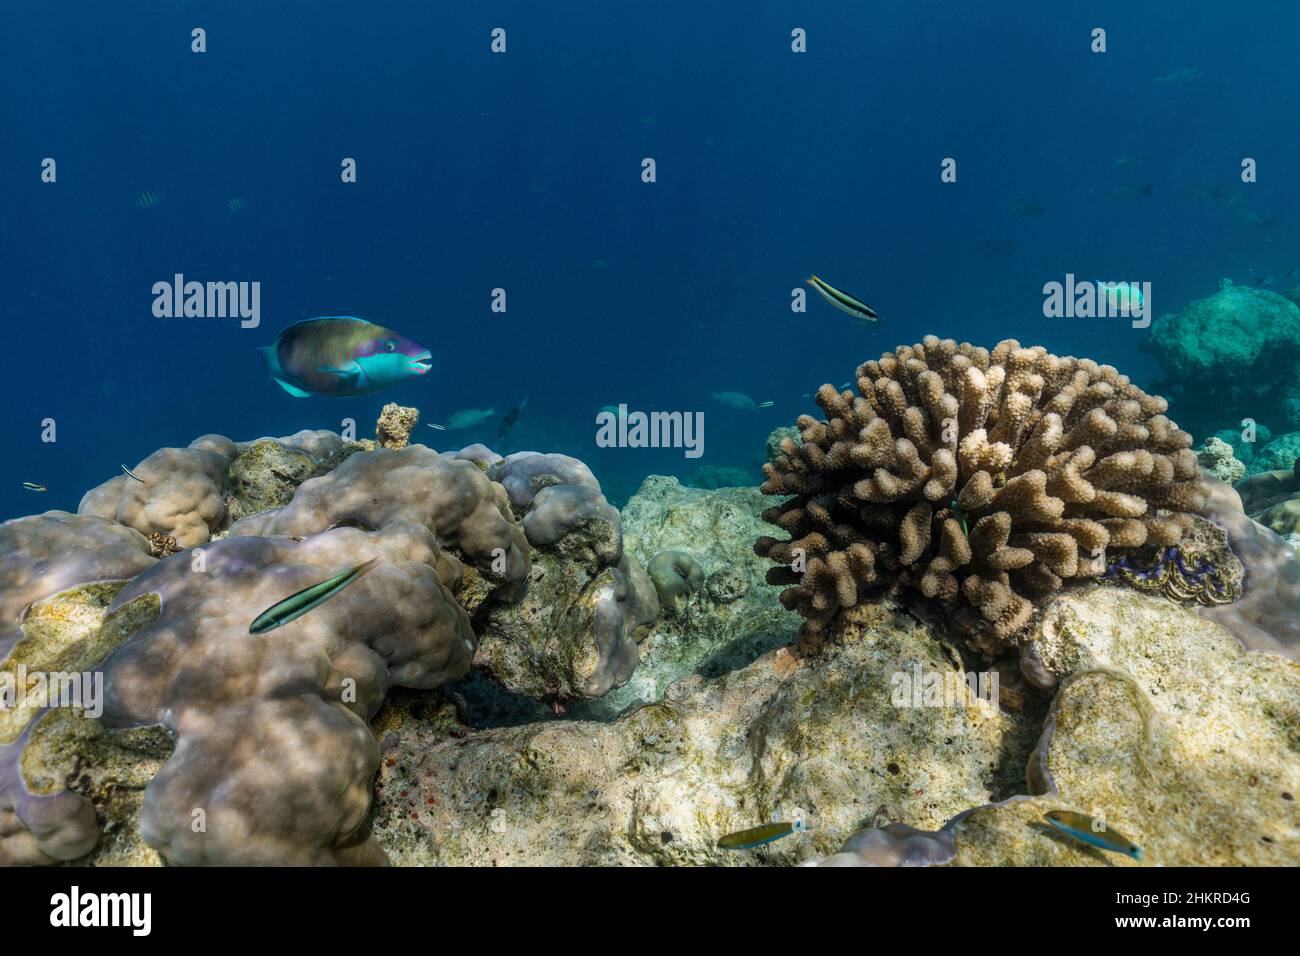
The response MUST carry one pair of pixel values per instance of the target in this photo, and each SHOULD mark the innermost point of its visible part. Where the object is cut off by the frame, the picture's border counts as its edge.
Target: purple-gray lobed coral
(273, 754)
(1267, 615)
(41, 555)
(451, 497)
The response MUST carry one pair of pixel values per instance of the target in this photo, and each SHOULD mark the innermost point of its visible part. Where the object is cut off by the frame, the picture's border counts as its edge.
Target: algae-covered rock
(1165, 728)
(1235, 356)
(823, 741)
(1216, 457)
(735, 616)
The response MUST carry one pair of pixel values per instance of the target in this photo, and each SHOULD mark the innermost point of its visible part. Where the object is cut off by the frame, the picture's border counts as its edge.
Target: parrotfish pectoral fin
(335, 370)
(293, 390)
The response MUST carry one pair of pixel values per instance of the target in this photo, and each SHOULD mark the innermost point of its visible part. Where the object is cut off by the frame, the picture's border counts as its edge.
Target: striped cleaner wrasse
(296, 605)
(848, 304)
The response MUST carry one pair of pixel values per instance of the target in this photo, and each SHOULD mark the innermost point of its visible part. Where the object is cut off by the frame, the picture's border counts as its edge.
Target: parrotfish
(740, 400)
(1093, 832)
(508, 422)
(466, 418)
(299, 603)
(848, 304)
(342, 355)
(1121, 295)
(758, 836)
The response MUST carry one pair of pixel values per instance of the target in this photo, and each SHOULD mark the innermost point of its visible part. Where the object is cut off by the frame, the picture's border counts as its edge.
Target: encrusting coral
(982, 479)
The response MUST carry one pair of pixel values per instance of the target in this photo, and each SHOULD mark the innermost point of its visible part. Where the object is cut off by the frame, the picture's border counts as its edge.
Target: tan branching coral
(983, 479)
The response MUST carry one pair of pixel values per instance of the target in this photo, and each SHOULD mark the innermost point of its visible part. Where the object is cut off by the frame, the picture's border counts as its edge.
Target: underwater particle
(149, 200)
(298, 604)
(1093, 832)
(850, 305)
(33, 486)
(760, 835)
(132, 474)
(342, 355)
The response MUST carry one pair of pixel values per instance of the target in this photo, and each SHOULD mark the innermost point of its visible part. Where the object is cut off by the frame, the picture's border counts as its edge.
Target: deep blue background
(523, 171)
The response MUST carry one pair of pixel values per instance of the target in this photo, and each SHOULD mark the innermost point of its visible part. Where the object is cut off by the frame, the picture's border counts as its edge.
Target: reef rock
(1234, 355)
(779, 739)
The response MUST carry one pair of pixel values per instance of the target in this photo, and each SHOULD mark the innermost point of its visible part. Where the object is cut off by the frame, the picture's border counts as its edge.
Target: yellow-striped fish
(758, 836)
(149, 200)
(849, 305)
(1093, 832)
(299, 603)
(33, 486)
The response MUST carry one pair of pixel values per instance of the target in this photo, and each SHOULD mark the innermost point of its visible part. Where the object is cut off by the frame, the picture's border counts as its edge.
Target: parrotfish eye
(390, 345)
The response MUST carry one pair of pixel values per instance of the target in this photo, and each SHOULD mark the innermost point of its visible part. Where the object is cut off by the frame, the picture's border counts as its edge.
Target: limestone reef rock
(589, 606)
(1216, 457)
(396, 422)
(1232, 355)
(1161, 724)
(734, 617)
(982, 480)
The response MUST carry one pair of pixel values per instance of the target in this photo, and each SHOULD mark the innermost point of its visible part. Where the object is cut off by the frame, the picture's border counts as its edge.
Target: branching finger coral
(982, 479)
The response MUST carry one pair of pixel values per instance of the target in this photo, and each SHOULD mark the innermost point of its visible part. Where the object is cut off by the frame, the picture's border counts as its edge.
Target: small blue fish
(1093, 832)
(758, 836)
(149, 200)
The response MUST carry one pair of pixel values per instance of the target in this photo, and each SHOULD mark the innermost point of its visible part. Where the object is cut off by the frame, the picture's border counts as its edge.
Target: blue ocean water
(522, 171)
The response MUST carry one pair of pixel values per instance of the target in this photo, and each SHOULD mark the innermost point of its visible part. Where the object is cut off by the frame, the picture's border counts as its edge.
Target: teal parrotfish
(342, 355)
(1093, 832)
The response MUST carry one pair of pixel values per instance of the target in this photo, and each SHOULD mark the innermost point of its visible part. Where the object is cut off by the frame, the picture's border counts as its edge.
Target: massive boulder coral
(450, 497)
(981, 479)
(1232, 355)
(272, 742)
(189, 494)
(41, 555)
